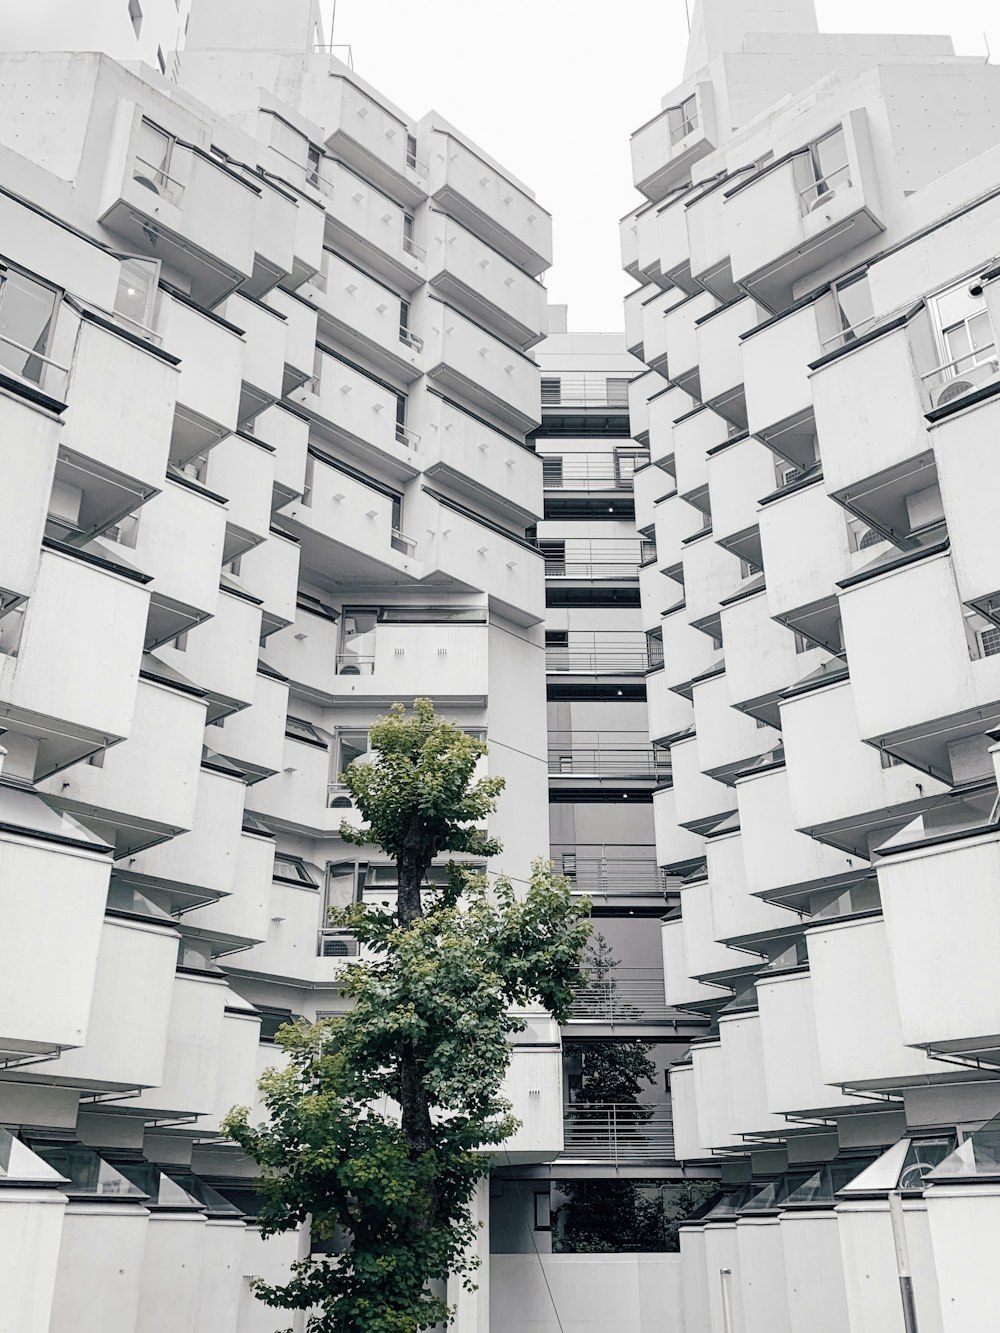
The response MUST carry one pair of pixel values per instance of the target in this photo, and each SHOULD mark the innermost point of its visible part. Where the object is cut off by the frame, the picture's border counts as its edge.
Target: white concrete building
(265, 386)
(816, 256)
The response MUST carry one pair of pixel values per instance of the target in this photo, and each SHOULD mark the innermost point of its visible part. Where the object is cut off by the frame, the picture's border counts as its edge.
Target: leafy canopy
(378, 1123)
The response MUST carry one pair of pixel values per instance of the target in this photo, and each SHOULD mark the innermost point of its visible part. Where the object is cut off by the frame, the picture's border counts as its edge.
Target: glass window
(137, 284)
(292, 870)
(314, 159)
(301, 730)
(27, 314)
(854, 307)
(964, 329)
(357, 644)
(432, 615)
(411, 151)
(351, 745)
(683, 119)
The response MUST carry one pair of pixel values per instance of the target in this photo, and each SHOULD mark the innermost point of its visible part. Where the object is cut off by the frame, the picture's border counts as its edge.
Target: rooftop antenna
(687, 15)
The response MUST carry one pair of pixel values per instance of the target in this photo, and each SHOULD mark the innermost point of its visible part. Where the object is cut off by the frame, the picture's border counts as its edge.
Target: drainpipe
(903, 1262)
(725, 1274)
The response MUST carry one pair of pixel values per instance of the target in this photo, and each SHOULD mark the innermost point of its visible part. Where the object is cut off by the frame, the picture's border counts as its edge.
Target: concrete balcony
(775, 855)
(254, 737)
(270, 573)
(357, 412)
(145, 789)
(743, 1070)
(221, 654)
(407, 661)
(740, 473)
(870, 405)
(856, 1009)
(33, 1212)
(713, 1096)
(681, 325)
(669, 714)
(27, 435)
(683, 1102)
(533, 1084)
(464, 359)
(666, 148)
(479, 558)
(348, 530)
(792, 1071)
(236, 1076)
(706, 958)
(869, 1256)
(488, 203)
(114, 448)
(654, 328)
(368, 135)
(687, 653)
(287, 432)
(179, 541)
(802, 593)
(695, 434)
(242, 469)
(672, 244)
(211, 371)
(676, 846)
(649, 485)
(65, 682)
(656, 594)
(961, 449)
(362, 314)
(310, 231)
(664, 409)
(304, 653)
(648, 251)
(475, 457)
(607, 1134)
(720, 357)
(674, 521)
(711, 575)
(628, 240)
(951, 695)
(840, 788)
(762, 657)
(679, 989)
(201, 864)
(737, 915)
(68, 868)
(291, 950)
(193, 1047)
(126, 1037)
(935, 856)
(776, 359)
(633, 319)
(640, 390)
(167, 198)
(241, 919)
(274, 235)
(476, 278)
(728, 740)
(297, 798)
(265, 335)
(787, 222)
(366, 224)
(708, 237)
(700, 801)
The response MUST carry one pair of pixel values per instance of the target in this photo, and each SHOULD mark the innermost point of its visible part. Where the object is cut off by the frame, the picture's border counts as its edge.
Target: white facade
(265, 386)
(817, 306)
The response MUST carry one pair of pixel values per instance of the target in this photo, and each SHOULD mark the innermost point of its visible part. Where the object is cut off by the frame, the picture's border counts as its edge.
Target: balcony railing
(586, 390)
(602, 560)
(608, 876)
(608, 758)
(619, 1134)
(624, 995)
(596, 655)
(591, 471)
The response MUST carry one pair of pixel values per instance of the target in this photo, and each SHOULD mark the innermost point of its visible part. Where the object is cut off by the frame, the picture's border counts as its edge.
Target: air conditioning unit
(976, 378)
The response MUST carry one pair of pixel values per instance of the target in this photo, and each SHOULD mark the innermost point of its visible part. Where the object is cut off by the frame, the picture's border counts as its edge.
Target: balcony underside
(772, 283)
(489, 230)
(211, 279)
(474, 304)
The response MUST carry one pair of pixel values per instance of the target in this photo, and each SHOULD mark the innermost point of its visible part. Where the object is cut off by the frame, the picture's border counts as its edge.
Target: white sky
(553, 88)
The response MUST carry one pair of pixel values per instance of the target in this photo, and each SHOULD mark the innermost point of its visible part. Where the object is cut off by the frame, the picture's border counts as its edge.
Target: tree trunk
(416, 1115)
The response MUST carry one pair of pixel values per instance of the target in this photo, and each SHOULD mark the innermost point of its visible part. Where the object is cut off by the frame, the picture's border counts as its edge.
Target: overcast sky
(553, 88)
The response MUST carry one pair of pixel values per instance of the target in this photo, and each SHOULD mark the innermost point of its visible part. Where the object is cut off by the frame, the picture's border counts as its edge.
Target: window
(153, 158)
(27, 316)
(402, 434)
(292, 870)
(314, 159)
(351, 745)
(828, 166)
(543, 1211)
(550, 392)
(964, 332)
(135, 14)
(125, 531)
(432, 615)
(554, 553)
(160, 60)
(409, 244)
(411, 151)
(307, 601)
(654, 647)
(307, 483)
(683, 119)
(989, 641)
(300, 730)
(854, 310)
(357, 643)
(138, 280)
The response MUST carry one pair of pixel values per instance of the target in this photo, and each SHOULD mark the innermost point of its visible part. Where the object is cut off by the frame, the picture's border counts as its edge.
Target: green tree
(426, 1032)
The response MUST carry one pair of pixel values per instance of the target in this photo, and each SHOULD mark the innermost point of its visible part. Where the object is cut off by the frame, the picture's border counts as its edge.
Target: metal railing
(409, 438)
(617, 1133)
(623, 995)
(400, 542)
(596, 654)
(329, 48)
(608, 559)
(158, 180)
(586, 389)
(590, 471)
(33, 366)
(607, 876)
(609, 761)
(811, 194)
(412, 248)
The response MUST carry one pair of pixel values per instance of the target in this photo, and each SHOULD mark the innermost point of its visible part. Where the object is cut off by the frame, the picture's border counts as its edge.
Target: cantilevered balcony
(804, 211)
(488, 203)
(262, 373)
(720, 357)
(211, 351)
(25, 432)
(173, 200)
(666, 148)
(664, 409)
(680, 324)
(677, 848)
(484, 283)
(640, 390)
(367, 225)
(696, 434)
(628, 233)
(463, 358)
(670, 714)
(699, 802)
(368, 135)
(776, 360)
(360, 313)
(740, 473)
(708, 238)
(728, 740)
(621, 1135)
